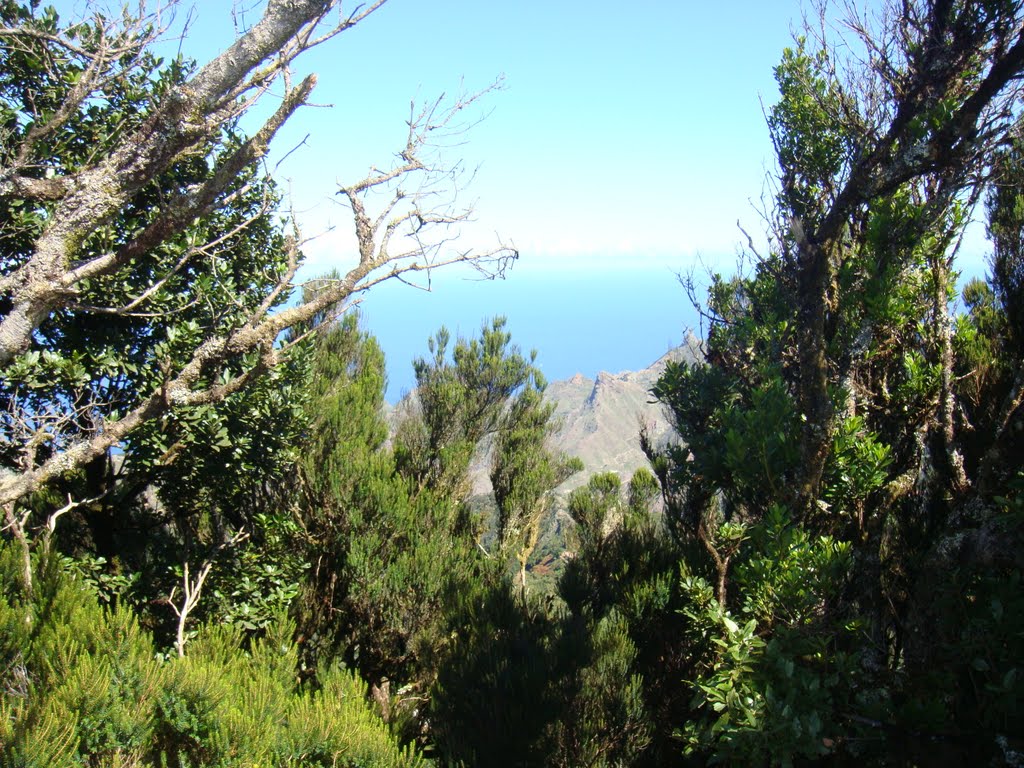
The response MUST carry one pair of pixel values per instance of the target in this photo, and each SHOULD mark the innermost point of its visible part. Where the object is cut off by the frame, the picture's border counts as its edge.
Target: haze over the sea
(579, 322)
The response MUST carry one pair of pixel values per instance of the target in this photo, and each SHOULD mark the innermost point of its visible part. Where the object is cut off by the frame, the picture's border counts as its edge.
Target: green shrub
(82, 685)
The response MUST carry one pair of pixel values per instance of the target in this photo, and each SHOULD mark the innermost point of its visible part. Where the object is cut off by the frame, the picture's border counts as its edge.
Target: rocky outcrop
(600, 418)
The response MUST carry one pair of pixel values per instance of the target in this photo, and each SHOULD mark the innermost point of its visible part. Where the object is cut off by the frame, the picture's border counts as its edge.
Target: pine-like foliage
(391, 541)
(83, 686)
(524, 471)
(530, 681)
(379, 553)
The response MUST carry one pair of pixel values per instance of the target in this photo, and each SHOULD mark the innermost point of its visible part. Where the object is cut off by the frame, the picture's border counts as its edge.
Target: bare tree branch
(411, 233)
(192, 590)
(180, 124)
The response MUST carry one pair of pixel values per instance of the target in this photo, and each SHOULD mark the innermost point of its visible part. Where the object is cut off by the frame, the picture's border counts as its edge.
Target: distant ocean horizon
(579, 322)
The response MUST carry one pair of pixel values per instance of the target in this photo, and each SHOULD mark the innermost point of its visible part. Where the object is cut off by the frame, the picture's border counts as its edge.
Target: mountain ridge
(599, 420)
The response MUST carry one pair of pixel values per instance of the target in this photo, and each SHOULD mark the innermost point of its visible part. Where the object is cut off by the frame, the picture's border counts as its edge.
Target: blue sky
(626, 143)
(628, 140)
(629, 131)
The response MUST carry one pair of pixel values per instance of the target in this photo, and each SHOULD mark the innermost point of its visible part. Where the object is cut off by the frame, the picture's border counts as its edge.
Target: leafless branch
(411, 234)
(183, 122)
(51, 521)
(192, 589)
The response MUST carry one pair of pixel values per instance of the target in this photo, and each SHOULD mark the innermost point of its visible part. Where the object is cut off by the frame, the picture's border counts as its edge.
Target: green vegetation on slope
(219, 553)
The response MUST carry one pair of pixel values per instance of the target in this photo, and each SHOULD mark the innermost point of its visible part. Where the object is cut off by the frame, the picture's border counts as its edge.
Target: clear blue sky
(629, 139)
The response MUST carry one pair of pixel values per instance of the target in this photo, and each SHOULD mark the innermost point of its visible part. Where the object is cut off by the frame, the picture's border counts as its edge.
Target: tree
(457, 403)
(394, 548)
(369, 592)
(128, 194)
(531, 680)
(996, 322)
(622, 633)
(524, 471)
(839, 505)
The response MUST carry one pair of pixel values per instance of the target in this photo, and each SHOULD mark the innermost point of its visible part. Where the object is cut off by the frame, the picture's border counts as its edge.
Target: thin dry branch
(192, 589)
(186, 120)
(411, 234)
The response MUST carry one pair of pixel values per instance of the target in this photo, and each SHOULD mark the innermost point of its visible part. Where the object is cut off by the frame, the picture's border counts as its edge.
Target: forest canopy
(219, 547)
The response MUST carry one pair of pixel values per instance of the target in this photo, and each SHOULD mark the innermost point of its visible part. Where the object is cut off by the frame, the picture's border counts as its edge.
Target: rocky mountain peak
(600, 419)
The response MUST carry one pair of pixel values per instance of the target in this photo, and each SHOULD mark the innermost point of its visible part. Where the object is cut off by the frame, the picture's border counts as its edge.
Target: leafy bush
(773, 675)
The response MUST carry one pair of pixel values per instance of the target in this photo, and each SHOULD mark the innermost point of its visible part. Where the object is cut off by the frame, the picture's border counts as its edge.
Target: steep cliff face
(600, 418)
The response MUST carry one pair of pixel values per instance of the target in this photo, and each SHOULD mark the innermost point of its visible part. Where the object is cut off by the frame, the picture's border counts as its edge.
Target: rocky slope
(599, 421)
(600, 418)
